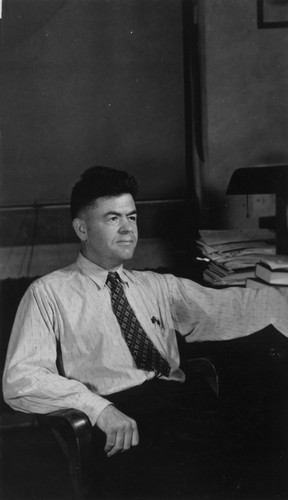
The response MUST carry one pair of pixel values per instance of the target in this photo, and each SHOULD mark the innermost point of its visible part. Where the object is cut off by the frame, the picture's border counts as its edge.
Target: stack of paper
(233, 254)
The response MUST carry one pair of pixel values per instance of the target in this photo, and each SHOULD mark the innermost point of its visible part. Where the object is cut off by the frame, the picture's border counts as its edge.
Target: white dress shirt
(66, 348)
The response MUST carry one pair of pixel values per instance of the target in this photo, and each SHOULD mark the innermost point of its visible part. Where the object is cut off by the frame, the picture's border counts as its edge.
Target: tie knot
(113, 278)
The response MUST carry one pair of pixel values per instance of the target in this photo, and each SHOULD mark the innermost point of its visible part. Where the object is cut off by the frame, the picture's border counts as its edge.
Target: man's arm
(202, 313)
(31, 382)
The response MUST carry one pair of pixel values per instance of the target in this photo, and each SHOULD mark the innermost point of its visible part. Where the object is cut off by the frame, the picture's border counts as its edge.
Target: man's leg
(166, 460)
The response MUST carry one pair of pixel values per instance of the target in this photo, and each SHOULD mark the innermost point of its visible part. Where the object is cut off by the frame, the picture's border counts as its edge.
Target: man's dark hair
(97, 182)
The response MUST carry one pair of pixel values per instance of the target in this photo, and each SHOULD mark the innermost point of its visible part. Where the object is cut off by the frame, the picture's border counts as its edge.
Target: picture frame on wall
(272, 14)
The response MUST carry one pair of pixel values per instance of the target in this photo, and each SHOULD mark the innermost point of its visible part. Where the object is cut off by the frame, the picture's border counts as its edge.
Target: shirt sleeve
(202, 313)
(31, 382)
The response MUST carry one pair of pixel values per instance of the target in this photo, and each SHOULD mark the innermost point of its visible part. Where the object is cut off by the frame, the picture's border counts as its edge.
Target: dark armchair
(72, 428)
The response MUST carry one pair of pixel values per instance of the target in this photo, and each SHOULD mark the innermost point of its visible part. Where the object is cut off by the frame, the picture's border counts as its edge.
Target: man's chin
(126, 253)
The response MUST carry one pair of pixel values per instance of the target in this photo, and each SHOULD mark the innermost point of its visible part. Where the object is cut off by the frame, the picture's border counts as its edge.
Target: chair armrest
(206, 368)
(198, 360)
(68, 420)
(73, 431)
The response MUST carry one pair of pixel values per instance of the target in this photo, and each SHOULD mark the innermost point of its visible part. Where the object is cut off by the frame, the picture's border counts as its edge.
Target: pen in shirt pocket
(158, 322)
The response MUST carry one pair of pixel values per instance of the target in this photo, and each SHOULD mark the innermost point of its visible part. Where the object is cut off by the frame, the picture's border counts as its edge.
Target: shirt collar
(97, 273)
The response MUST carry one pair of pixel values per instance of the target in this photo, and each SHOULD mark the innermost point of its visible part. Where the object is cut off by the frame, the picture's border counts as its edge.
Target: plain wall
(245, 105)
(88, 82)
(96, 81)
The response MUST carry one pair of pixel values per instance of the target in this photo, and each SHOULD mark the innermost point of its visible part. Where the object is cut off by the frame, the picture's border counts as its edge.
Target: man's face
(109, 231)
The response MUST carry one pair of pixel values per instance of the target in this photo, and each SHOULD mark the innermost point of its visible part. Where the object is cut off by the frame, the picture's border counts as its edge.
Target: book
(273, 269)
(279, 262)
(256, 283)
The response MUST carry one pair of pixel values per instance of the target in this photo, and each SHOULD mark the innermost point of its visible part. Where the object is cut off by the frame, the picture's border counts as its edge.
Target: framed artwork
(272, 14)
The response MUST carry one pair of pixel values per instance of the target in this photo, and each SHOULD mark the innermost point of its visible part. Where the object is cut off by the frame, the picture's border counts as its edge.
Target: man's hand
(121, 431)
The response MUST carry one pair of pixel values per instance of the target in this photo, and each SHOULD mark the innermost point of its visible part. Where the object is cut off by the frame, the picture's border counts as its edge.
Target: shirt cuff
(93, 405)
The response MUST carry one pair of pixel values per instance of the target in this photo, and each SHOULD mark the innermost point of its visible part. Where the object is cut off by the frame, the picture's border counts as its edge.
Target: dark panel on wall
(91, 82)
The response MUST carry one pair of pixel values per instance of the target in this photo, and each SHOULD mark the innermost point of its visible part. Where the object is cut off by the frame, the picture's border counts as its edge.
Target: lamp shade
(259, 180)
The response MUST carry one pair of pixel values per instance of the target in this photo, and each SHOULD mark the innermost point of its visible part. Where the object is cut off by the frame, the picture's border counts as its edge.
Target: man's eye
(113, 219)
(133, 218)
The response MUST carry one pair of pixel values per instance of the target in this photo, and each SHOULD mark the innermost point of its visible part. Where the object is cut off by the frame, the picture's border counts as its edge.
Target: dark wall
(98, 81)
(91, 82)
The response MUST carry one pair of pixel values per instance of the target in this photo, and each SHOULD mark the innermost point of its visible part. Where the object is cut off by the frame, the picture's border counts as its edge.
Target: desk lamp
(266, 180)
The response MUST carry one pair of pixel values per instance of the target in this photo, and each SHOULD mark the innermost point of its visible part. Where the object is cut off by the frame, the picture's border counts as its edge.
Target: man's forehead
(120, 203)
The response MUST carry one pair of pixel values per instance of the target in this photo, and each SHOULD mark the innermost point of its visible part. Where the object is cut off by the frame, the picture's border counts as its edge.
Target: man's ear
(80, 228)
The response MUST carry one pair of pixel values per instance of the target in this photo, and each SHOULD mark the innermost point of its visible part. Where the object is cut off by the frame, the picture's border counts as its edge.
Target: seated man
(101, 339)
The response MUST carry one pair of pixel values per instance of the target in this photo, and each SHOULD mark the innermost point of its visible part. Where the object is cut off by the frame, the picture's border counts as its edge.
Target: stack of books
(272, 270)
(232, 255)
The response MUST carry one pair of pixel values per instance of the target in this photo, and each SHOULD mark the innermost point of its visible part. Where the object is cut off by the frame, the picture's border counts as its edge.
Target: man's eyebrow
(119, 214)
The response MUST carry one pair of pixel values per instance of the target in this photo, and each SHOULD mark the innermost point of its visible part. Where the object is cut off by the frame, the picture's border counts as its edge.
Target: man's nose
(126, 226)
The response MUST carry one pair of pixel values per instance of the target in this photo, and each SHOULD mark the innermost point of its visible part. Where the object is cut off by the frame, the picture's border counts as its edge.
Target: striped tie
(143, 351)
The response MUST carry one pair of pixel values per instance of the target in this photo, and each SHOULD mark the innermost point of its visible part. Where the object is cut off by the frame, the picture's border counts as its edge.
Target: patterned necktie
(143, 351)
